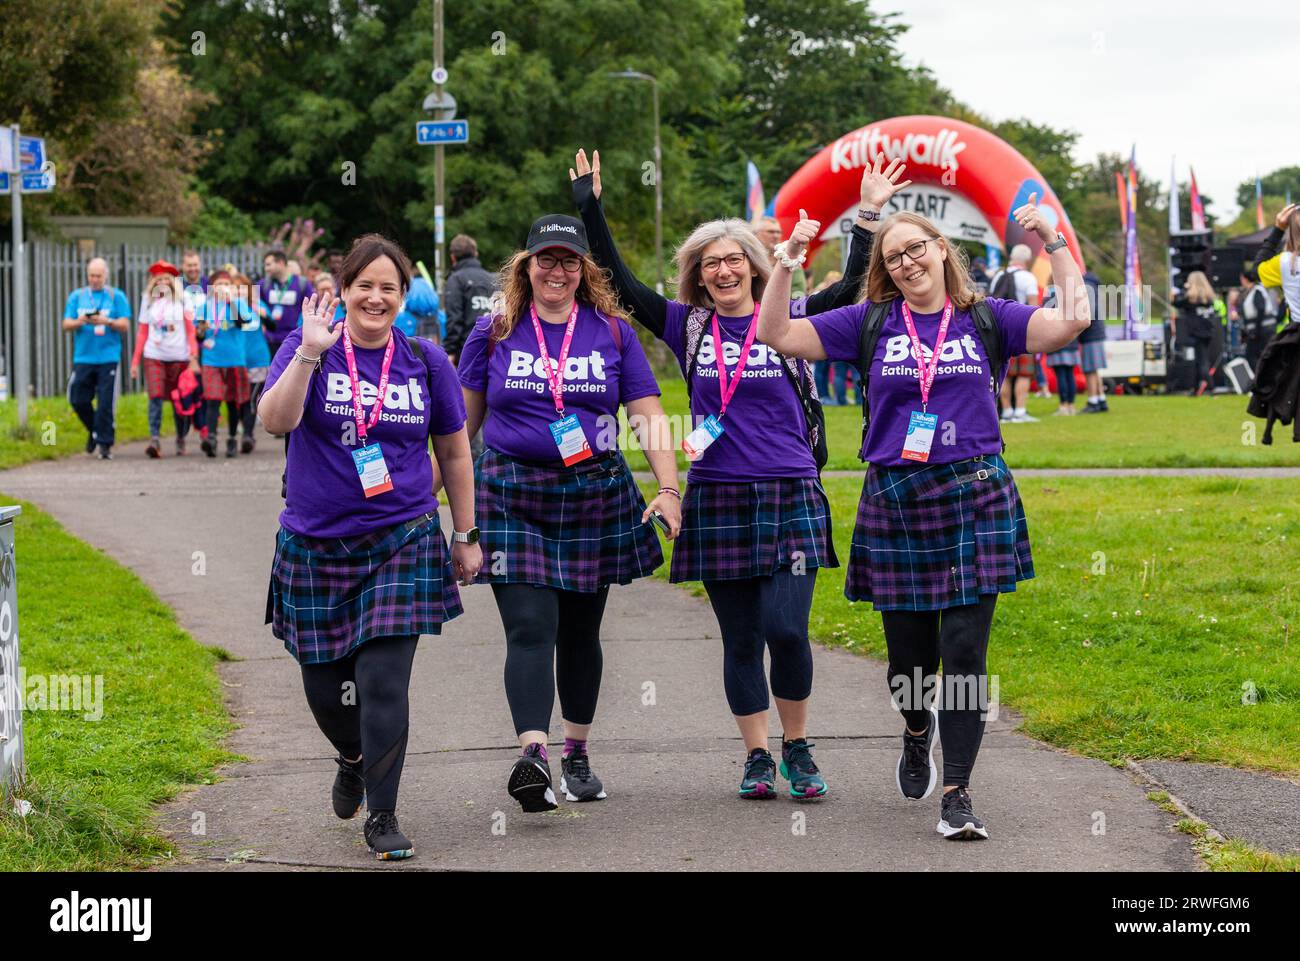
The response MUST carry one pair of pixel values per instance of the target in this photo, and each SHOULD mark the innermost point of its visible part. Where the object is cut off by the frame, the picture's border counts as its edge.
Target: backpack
(798, 372)
(1004, 286)
(416, 349)
(986, 326)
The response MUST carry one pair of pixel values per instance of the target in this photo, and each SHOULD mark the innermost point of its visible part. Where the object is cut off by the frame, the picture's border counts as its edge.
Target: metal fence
(54, 271)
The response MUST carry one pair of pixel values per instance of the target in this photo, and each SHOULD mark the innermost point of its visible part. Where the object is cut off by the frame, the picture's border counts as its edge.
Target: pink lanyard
(357, 410)
(926, 372)
(555, 377)
(729, 389)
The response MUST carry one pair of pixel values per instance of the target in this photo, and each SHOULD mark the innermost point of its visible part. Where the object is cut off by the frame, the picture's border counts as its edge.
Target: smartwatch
(1056, 244)
(468, 537)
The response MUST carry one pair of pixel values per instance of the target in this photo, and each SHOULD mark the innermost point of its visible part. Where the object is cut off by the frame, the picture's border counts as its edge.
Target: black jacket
(468, 297)
(1277, 384)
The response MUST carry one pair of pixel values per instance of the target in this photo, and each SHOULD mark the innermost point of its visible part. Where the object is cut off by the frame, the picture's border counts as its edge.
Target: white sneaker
(1026, 418)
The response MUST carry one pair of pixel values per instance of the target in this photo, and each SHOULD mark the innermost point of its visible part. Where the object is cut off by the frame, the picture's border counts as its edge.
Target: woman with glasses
(756, 521)
(940, 528)
(560, 514)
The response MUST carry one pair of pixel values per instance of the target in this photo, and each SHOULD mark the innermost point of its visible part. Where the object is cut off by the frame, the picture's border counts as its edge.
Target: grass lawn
(1138, 432)
(53, 430)
(92, 783)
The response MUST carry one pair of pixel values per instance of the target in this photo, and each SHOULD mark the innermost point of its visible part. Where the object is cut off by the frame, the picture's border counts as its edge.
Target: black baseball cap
(557, 230)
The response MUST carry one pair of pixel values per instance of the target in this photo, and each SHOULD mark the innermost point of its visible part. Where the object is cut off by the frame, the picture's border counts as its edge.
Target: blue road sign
(33, 183)
(431, 132)
(31, 153)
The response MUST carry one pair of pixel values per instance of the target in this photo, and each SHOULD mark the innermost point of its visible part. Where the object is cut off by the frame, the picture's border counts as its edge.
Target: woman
(1282, 269)
(1195, 325)
(167, 343)
(756, 521)
(940, 529)
(257, 358)
(361, 567)
(220, 326)
(561, 515)
(1062, 362)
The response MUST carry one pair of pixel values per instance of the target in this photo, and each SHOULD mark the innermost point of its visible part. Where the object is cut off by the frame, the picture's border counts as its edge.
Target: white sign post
(11, 688)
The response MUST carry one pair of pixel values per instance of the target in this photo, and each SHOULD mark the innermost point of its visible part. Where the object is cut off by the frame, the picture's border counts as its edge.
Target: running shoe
(180, 446)
(576, 780)
(530, 781)
(349, 792)
(759, 781)
(105, 452)
(154, 450)
(209, 446)
(232, 447)
(958, 822)
(797, 767)
(90, 444)
(247, 445)
(916, 773)
(385, 838)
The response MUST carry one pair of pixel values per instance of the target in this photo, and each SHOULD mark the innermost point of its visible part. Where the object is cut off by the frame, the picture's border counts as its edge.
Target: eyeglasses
(915, 251)
(710, 265)
(571, 265)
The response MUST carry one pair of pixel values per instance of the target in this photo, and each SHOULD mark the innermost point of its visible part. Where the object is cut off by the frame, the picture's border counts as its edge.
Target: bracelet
(671, 490)
(789, 263)
(302, 358)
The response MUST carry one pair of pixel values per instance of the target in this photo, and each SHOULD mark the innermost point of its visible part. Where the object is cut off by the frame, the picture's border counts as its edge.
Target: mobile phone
(659, 521)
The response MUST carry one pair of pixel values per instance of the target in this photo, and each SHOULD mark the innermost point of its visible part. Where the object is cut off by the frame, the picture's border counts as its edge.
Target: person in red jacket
(166, 342)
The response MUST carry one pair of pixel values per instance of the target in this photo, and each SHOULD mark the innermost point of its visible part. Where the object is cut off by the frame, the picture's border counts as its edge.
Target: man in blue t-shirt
(280, 298)
(100, 315)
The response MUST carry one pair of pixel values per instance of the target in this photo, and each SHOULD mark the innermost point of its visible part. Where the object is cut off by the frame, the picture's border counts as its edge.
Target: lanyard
(555, 377)
(364, 425)
(726, 389)
(926, 372)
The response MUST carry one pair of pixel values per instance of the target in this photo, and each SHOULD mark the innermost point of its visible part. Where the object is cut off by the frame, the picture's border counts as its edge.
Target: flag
(1198, 211)
(753, 192)
(1132, 267)
(1174, 219)
(1122, 192)
(1259, 204)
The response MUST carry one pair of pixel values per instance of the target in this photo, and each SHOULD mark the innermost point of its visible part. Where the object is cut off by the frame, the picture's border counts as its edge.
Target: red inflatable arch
(963, 178)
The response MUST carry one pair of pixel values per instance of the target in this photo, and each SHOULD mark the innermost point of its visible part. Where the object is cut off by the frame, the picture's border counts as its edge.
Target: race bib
(920, 436)
(372, 470)
(100, 330)
(570, 439)
(698, 440)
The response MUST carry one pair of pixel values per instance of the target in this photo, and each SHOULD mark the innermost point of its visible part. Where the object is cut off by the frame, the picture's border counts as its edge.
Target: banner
(1259, 204)
(1175, 218)
(753, 193)
(1198, 211)
(1133, 316)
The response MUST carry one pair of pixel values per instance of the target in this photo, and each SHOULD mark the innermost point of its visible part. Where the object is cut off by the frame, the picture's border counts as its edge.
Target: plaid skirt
(226, 383)
(571, 528)
(162, 376)
(753, 529)
(938, 535)
(329, 596)
(1093, 355)
(1069, 357)
(1022, 365)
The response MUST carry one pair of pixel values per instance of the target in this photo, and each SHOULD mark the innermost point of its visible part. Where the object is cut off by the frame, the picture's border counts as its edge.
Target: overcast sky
(1207, 83)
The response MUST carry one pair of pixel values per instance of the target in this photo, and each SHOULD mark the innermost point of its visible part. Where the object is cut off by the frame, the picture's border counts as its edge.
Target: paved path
(671, 767)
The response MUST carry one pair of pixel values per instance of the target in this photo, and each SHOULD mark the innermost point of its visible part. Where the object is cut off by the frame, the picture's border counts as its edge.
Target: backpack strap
(696, 321)
(868, 335)
(990, 334)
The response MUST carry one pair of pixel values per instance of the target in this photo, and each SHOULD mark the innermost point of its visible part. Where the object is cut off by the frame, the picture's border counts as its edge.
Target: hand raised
(804, 233)
(1032, 219)
(1284, 216)
(317, 315)
(879, 185)
(584, 168)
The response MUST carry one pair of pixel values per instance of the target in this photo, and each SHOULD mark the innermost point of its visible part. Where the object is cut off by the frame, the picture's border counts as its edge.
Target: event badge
(570, 439)
(372, 470)
(101, 330)
(277, 313)
(920, 436)
(698, 440)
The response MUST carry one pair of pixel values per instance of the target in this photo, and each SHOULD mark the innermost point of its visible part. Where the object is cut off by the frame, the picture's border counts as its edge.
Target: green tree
(1279, 183)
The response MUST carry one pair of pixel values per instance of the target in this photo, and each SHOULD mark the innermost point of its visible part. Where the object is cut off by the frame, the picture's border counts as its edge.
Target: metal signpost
(11, 688)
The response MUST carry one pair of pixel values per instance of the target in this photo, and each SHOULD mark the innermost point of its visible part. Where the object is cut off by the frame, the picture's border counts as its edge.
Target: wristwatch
(1056, 244)
(868, 215)
(468, 537)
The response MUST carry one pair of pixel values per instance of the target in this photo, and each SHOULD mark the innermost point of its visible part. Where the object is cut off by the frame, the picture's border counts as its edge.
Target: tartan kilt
(226, 383)
(328, 596)
(935, 536)
(1069, 357)
(162, 376)
(753, 529)
(1022, 365)
(1093, 355)
(570, 528)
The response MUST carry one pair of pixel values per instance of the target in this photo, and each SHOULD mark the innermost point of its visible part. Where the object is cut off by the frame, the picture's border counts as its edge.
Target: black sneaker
(90, 444)
(246, 447)
(154, 450)
(1103, 407)
(759, 781)
(105, 451)
(958, 822)
(209, 446)
(530, 781)
(576, 780)
(916, 772)
(385, 838)
(349, 792)
(232, 447)
(1091, 408)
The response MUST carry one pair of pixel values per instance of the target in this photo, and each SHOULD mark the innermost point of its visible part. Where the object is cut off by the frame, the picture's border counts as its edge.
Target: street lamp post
(659, 194)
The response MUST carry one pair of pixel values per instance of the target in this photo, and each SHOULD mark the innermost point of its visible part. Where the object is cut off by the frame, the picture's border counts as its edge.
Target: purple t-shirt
(597, 379)
(423, 399)
(764, 432)
(288, 297)
(968, 414)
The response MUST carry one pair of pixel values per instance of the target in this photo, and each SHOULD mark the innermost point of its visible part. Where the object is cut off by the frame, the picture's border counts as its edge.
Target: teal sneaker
(797, 767)
(759, 781)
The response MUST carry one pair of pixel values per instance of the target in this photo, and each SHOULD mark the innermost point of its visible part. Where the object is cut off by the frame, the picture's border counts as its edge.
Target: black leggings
(248, 412)
(361, 704)
(552, 641)
(759, 612)
(214, 414)
(1065, 388)
(959, 637)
